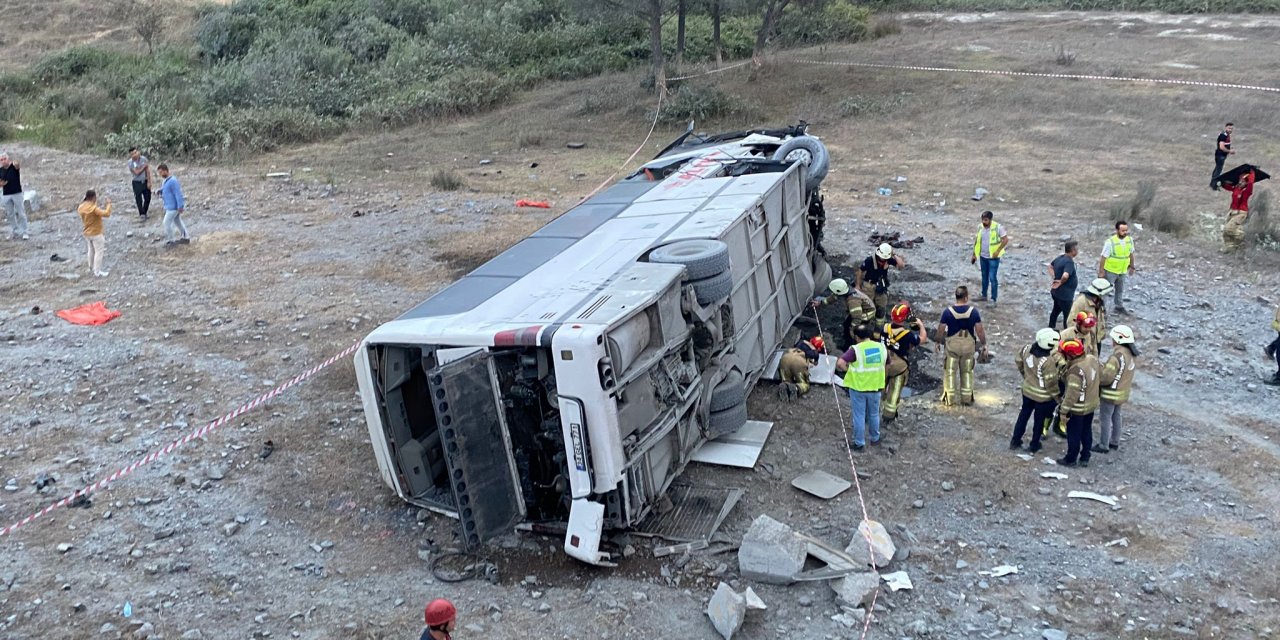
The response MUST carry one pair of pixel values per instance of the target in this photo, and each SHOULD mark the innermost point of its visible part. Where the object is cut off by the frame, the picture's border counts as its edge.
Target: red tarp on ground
(533, 203)
(90, 314)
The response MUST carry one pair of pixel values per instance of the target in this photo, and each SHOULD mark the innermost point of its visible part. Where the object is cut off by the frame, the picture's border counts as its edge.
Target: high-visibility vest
(993, 242)
(866, 373)
(1118, 263)
(1275, 324)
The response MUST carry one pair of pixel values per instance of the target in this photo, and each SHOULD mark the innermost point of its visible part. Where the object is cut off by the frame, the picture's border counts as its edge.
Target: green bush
(837, 20)
(72, 64)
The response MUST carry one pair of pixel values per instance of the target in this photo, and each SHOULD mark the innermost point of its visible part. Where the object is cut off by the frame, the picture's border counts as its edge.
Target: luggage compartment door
(477, 447)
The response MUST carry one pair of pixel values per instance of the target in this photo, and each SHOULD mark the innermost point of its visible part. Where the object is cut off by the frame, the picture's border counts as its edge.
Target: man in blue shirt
(174, 205)
(963, 335)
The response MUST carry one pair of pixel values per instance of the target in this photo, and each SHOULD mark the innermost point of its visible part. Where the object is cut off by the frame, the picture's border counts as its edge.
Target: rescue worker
(989, 246)
(1079, 402)
(1117, 378)
(441, 618)
(1273, 349)
(963, 336)
(873, 278)
(1091, 301)
(860, 308)
(863, 366)
(900, 335)
(1041, 368)
(1233, 231)
(1117, 263)
(794, 366)
(1084, 329)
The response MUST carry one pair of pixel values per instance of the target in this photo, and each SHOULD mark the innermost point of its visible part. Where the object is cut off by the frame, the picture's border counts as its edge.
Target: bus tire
(819, 159)
(729, 393)
(717, 287)
(727, 421)
(702, 259)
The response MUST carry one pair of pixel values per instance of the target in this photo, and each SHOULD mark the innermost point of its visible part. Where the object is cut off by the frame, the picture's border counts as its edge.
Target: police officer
(1117, 380)
(900, 335)
(964, 335)
(1040, 366)
(1079, 402)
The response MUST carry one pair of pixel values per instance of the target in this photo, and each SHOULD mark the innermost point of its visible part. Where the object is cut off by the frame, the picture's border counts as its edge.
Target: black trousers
(1218, 159)
(1059, 307)
(1274, 350)
(141, 196)
(1079, 438)
(1041, 410)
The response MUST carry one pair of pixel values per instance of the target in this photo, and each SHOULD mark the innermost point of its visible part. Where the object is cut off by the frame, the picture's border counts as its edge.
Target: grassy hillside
(255, 74)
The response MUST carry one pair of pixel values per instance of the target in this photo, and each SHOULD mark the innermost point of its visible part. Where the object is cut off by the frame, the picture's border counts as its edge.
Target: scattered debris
(1121, 542)
(1026, 457)
(1053, 634)
(738, 449)
(897, 581)
(684, 547)
(1000, 571)
(36, 310)
(873, 539)
(728, 608)
(278, 175)
(43, 480)
(1053, 475)
(857, 589)
(1089, 495)
(771, 552)
(540, 204)
(267, 448)
(576, 145)
(900, 179)
(885, 191)
(57, 258)
(821, 484)
(894, 240)
(979, 194)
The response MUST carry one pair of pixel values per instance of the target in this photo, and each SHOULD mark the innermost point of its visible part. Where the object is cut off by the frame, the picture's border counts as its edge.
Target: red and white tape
(1032, 74)
(172, 446)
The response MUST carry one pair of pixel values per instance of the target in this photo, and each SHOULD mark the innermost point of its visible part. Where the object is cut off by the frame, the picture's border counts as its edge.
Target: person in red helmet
(441, 618)
(1084, 327)
(793, 368)
(1233, 231)
(1079, 401)
(900, 335)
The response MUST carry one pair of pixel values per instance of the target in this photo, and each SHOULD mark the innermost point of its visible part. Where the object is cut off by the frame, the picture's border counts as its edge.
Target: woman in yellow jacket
(92, 215)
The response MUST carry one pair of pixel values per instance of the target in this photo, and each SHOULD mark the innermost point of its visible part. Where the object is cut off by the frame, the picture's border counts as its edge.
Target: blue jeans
(990, 269)
(866, 412)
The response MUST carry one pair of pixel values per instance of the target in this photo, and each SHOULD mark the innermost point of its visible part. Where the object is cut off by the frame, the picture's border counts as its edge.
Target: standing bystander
(1117, 263)
(11, 197)
(1221, 150)
(91, 215)
(1273, 349)
(1063, 289)
(140, 178)
(174, 206)
(989, 247)
(863, 366)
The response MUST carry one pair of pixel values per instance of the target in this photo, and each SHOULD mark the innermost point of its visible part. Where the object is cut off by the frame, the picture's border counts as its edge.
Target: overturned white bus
(570, 378)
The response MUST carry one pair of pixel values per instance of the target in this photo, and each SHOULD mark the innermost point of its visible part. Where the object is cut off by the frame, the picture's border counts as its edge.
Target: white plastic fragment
(1054, 475)
(897, 580)
(1089, 495)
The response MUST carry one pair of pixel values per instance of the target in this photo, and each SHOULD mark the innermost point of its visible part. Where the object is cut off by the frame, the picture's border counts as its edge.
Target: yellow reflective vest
(1121, 250)
(866, 372)
(993, 242)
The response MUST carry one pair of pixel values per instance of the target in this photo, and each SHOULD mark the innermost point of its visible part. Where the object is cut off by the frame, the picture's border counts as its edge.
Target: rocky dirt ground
(216, 542)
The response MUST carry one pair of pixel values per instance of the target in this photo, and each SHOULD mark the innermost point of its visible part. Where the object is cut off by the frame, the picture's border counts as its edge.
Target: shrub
(1166, 219)
(72, 64)
(528, 139)
(884, 26)
(1261, 230)
(221, 34)
(690, 102)
(1133, 208)
(446, 180)
(1065, 58)
(865, 105)
(836, 20)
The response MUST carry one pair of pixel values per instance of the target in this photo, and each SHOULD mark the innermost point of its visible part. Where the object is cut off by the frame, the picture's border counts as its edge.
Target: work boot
(1097, 448)
(1035, 447)
(1063, 462)
(1115, 447)
(1015, 445)
(1275, 380)
(1084, 463)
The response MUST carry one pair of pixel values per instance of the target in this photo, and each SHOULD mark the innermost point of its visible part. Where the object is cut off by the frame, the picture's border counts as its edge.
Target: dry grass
(1262, 230)
(447, 180)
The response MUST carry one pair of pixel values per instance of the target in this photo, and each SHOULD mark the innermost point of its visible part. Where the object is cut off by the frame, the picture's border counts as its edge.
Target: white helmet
(884, 252)
(1047, 339)
(839, 286)
(1099, 287)
(1121, 334)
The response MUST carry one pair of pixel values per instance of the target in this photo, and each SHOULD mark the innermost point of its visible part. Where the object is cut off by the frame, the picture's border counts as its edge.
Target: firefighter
(441, 618)
(1091, 301)
(963, 336)
(1084, 327)
(1041, 367)
(1233, 231)
(794, 366)
(1117, 378)
(1273, 350)
(873, 278)
(860, 308)
(1079, 402)
(900, 335)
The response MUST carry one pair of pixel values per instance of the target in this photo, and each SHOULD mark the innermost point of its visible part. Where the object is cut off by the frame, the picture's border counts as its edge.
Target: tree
(146, 17)
(715, 32)
(681, 11)
(768, 24)
(652, 12)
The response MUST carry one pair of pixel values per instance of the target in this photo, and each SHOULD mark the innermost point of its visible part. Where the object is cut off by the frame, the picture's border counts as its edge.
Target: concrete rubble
(873, 539)
(728, 609)
(856, 589)
(771, 552)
